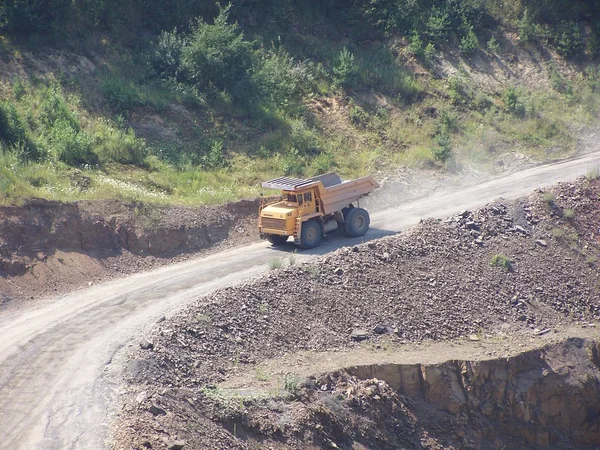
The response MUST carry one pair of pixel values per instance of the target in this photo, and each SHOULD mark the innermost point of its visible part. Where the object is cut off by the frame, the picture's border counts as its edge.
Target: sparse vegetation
(593, 174)
(292, 258)
(568, 214)
(503, 261)
(276, 263)
(291, 383)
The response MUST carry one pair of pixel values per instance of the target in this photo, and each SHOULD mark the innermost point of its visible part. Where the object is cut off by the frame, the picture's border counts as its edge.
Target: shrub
(303, 138)
(493, 46)
(215, 156)
(503, 261)
(275, 263)
(71, 146)
(54, 108)
(512, 101)
(568, 214)
(443, 148)
(113, 145)
(438, 24)
(593, 174)
(459, 91)
(359, 117)
(166, 59)
(469, 42)
(14, 132)
(279, 81)
(291, 383)
(415, 45)
(293, 164)
(568, 39)
(526, 27)
(121, 95)
(345, 69)
(217, 55)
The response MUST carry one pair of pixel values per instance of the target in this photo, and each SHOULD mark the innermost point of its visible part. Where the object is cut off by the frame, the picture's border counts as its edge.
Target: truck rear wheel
(276, 239)
(311, 234)
(357, 222)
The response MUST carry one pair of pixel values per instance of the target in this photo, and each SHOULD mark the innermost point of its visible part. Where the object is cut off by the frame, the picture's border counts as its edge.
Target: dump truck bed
(334, 194)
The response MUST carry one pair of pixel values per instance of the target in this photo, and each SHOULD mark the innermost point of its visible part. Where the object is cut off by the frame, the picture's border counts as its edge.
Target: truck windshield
(291, 198)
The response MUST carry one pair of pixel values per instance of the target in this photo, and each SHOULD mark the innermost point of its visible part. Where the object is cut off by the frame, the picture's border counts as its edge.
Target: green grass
(503, 261)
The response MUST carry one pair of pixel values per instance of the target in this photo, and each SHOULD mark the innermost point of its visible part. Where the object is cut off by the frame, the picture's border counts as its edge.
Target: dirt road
(57, 382)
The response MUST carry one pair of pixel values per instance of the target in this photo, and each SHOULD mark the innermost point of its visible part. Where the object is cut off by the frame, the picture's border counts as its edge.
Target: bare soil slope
(48, 247)
(523, 269)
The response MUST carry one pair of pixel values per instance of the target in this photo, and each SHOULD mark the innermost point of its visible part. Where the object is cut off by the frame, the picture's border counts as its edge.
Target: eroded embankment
(45, 246)
(544, 397)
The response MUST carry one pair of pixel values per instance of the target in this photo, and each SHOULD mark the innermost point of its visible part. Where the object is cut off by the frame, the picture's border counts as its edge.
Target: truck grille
(273, 224)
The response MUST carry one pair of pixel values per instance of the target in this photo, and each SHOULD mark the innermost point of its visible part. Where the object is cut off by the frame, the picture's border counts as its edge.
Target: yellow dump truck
(313, 207)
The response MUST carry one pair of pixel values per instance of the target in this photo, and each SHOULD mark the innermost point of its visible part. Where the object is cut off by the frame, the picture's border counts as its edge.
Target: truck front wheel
(311, 234)
(357, 222)
(276, 239)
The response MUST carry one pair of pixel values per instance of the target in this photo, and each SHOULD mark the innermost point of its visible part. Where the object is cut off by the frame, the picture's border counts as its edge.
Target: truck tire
(342, 226)
(357, 222)
(311, 234)
(276, 240)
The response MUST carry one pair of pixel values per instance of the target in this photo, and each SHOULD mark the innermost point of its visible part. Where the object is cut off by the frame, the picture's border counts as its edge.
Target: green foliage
(216, 55)
(469, 42)
(304, 138)
(493, 46)
(121, 95)
(113, 145)
(558, 83)
(359, 117)
(293, 164)
(291, 383)
(459, 90)
(345, 69)
(438, 24)
(14, 131)
(526, 27)
(415, 44)
(513, 102)
(215, 157)
(503, 261)
(442, 149)
(568, 39)
(166, 58)
(70, 145)
(280, 82)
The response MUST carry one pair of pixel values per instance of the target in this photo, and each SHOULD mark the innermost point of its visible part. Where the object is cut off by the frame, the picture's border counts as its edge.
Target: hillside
(192, 103)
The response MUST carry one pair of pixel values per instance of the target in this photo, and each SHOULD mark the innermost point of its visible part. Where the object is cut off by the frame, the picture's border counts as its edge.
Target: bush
(443, 148)
(216, 55)
(303, 138)
(279, 81)
(345, 69)
(71, 146)
(512, 101)
(54, 108)
(493, 46)
(113, 145)
(215, 157)
(526, 27)
(14, 132)
(120, 94)
(438, 24)
(501, 261)
(469, 42)
(459, 91)
(568, 39)
(359, 117)
(166, 59)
